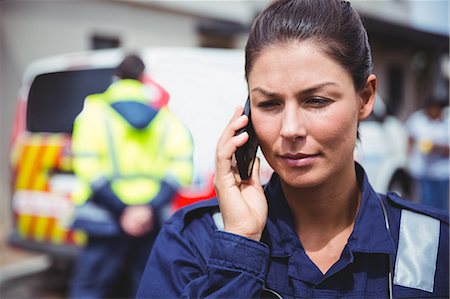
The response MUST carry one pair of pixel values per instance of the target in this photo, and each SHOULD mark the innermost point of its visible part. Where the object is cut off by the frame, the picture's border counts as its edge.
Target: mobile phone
(246, 154)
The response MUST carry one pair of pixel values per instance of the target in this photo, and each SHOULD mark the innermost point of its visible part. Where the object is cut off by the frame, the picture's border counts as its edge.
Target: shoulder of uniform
(396, 201)
(163, 116)
(167, 113)
(94, 98)
(187, 214)
(91, 107)
(93, 102)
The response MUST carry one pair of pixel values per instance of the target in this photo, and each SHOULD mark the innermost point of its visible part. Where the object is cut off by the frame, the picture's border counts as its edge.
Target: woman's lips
(299, 159)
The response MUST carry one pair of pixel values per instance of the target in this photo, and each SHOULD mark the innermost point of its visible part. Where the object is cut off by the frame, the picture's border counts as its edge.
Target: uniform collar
(369, 235)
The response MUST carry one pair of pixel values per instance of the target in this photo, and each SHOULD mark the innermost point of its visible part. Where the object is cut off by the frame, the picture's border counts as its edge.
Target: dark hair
(131, 67)
(435, 101)
(331, 24)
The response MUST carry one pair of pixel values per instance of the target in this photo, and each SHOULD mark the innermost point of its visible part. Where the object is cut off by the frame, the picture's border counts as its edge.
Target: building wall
(384, 59)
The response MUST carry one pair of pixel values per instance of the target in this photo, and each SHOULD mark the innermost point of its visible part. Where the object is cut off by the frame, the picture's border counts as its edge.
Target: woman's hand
(242, 203)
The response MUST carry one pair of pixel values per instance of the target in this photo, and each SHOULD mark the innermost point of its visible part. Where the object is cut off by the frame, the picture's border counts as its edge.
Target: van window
(55, 99)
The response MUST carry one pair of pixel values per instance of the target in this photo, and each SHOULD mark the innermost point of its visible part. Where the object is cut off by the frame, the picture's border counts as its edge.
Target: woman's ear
(368, 97)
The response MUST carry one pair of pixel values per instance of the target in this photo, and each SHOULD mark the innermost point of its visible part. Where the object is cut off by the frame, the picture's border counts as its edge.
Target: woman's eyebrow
(264, 92)
(306, 91)
(317, 87)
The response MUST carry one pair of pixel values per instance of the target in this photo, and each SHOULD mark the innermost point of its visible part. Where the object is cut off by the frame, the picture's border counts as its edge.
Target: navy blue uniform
(194, 258)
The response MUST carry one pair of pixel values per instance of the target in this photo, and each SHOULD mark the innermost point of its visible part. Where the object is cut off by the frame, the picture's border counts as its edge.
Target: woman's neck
(329, 205)
(324, 216)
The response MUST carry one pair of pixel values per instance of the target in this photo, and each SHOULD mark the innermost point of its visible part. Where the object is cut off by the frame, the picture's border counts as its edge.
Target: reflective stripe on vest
(218, 220)
(417, 251)
(111, 147)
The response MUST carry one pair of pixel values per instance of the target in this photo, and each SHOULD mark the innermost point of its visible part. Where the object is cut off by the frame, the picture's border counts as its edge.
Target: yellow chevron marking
(23, 224)
(41, 228)
(59, 234)
(29, 156)
(48, 160)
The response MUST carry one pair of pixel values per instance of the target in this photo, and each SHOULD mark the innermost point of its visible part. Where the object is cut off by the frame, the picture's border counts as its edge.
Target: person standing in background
(429, 153)
(131, 157)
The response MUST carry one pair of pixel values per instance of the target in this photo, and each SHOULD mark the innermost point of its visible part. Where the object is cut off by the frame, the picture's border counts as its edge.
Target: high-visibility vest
(134, 161)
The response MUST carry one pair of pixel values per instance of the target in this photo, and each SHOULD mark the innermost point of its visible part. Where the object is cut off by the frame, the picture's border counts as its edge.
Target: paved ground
(25, 274)
(46, 284)
(12, 258)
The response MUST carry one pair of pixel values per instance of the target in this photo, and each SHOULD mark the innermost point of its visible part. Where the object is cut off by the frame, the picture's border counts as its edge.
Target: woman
(317, 229)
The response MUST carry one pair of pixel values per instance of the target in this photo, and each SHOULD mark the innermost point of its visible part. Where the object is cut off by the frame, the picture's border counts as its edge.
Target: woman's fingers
(237, 122)
(225, 152)
(229, 142)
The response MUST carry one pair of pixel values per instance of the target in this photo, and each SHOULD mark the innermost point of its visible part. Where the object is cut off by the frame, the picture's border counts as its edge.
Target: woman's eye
(268, 104)
(318, 102)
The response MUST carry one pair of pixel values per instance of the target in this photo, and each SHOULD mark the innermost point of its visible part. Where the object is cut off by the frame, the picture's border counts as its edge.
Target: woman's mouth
(298, 159)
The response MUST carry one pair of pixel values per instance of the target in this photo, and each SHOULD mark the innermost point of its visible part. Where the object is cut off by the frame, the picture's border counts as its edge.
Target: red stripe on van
(49, 229)
(31, 232)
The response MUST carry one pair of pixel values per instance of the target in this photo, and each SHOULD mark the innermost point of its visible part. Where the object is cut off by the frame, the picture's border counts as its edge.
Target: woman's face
(305, 112)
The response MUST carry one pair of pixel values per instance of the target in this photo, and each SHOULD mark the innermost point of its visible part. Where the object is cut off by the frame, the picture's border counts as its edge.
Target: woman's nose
(293, 124)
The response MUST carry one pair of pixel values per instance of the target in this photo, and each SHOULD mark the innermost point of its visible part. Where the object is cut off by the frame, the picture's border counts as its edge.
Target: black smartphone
(246, 154)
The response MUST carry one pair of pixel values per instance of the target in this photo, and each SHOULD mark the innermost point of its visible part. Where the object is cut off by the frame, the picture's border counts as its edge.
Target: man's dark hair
(436, 101)
(131, 67)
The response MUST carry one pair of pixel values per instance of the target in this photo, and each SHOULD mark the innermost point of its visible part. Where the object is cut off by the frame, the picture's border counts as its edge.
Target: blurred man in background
(429, 153)
(131, 157)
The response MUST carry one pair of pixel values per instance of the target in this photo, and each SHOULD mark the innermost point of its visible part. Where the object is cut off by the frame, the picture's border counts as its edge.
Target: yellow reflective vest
(107, 146)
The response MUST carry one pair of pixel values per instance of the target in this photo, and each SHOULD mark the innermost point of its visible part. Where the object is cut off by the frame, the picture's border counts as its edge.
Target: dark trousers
(110, 267)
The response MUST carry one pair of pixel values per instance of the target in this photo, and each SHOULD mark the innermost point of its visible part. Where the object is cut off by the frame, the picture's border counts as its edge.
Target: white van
(205, 86)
